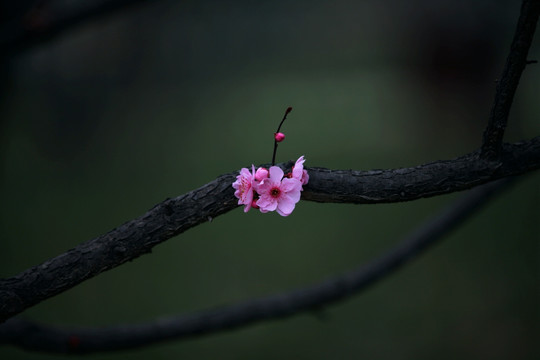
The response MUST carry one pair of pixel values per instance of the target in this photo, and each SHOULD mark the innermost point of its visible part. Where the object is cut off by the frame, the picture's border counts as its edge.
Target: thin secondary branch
(39, 337)
(508, 83)
(43, 24)
(174, 216)
(289, 109)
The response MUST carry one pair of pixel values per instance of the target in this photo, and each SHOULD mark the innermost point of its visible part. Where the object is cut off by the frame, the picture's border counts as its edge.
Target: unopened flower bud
(261, 174)
(279, 136)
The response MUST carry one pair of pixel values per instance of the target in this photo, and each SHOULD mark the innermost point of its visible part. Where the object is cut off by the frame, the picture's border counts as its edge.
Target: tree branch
(440, 177)
(507, 85)
(174, 216)
(41, 24)
(39, 337)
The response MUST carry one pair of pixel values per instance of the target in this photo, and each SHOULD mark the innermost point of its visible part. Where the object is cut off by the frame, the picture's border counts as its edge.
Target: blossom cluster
(271, 189)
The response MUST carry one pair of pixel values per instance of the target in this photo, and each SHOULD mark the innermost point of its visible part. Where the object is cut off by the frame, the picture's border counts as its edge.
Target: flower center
(275, 192)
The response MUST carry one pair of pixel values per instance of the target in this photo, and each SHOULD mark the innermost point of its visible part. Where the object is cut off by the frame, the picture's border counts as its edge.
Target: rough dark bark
(125, 243)
(174, 216)
(39, 337)
(440, 177)
(508, 83)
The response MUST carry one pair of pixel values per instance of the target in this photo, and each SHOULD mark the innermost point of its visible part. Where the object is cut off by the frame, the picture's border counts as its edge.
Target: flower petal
(294, 195)
(266, 203)
(248, 199)
(288, 185)
(305, 177)
(265, 186)
(245, 173)
(282, 213)
(276, 174)
(298, 167)
(286, 206)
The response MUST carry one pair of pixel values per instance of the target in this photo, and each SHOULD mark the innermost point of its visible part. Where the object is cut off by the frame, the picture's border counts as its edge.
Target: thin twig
(508, 83)
(39, 337)
(174, 216)
(289, 109)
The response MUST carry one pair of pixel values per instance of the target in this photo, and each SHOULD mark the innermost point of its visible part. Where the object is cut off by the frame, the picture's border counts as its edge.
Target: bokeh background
(121, 112)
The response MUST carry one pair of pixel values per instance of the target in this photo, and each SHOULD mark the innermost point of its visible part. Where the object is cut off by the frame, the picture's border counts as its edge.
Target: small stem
(289, 109)
(274, 155)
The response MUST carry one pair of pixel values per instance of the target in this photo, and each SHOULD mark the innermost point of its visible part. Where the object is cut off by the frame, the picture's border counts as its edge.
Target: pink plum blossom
(244, 187)
(278, 193)
(298, 171)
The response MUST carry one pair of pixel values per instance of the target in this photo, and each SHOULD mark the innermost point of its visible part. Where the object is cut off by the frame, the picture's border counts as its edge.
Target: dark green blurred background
(102, 123)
